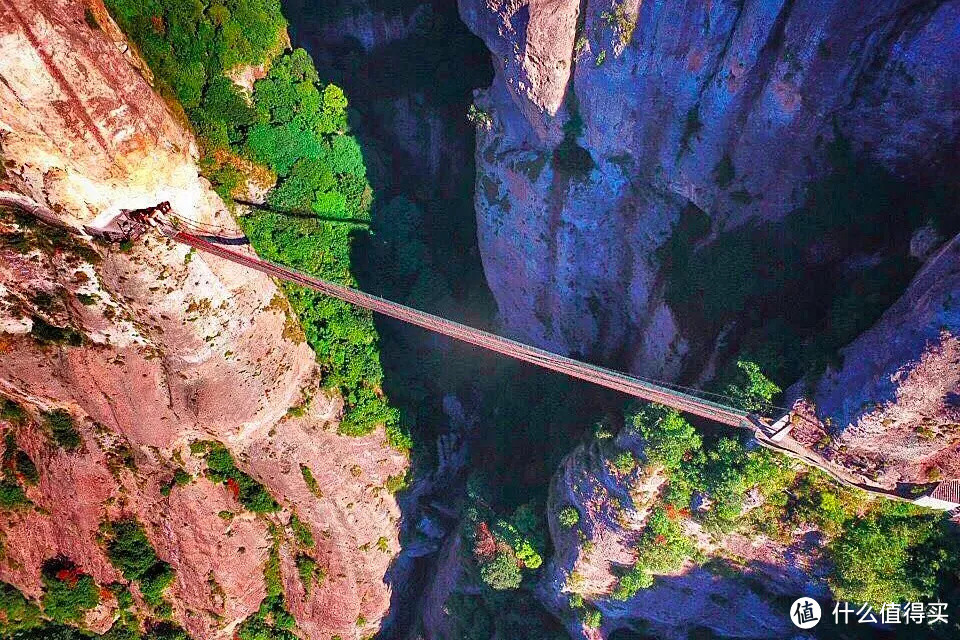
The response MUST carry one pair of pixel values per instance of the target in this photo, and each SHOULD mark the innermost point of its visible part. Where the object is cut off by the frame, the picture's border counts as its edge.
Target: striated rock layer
(892, 410)
(174, 347)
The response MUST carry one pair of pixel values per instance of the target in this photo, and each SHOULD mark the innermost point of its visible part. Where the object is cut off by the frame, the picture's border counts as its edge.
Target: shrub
(692, 126)
(302, 532)
(251, 494)
(501, 572)
(16, 612)
(166, 631)
(569, 158)
(397, 483)
(624, 462)
(68, 593)
(12, 412)
(12, 495)
(479, 118)
(592, 618)
(663, 548)
(723, 172)
(306, 568)
(63, 429)
(46, 333)
(522, 536)
(181, 478)
(310, 481)
(130, 551)
(155, 581)
(25, 467)
(568, 517)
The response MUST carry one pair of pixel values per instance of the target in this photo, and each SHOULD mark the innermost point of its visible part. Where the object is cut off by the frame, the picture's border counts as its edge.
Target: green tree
(501, 572)
(663, 548)
(893, 556)
(63, 429)
(68, 593)
(753, 390)
(667, 435)
(130, 551)
(568, 517)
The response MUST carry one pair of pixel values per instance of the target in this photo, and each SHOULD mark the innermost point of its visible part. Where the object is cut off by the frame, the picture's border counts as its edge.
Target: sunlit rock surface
(176, 347)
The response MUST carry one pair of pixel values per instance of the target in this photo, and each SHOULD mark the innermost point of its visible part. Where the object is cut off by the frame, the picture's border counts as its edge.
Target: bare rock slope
(892, 410)
(157, 347)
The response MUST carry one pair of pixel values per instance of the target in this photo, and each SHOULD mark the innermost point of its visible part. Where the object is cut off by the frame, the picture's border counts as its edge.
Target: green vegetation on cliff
(190, 43)
(293, 127)
(130, 551)
(222, 468)
(881, 551)
(68, 592)
(502, 547)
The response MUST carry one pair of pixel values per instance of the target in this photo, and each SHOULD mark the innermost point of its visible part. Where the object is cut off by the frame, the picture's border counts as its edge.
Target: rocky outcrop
(155, 347)
(608, 119)
(892, 410)
(614, 506)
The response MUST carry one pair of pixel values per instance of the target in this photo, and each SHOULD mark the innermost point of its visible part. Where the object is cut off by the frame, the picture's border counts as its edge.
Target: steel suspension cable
(592, 373)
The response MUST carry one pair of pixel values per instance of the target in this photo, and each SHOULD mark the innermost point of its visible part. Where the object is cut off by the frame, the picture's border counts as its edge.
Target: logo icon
(805, 613)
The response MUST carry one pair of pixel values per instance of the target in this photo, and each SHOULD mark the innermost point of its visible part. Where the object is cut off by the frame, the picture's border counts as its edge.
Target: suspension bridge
(216, 241)
(768, 433)
(126, 225)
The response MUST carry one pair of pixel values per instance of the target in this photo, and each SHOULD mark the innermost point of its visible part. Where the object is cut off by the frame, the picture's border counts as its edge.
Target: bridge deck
(562, 364)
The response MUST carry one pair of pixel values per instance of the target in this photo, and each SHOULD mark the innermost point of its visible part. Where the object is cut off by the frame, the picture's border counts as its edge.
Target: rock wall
(652, 98)
(165, 346)
(892, 410)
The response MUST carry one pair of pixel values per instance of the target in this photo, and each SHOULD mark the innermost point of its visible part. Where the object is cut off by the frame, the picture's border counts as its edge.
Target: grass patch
(310, 481)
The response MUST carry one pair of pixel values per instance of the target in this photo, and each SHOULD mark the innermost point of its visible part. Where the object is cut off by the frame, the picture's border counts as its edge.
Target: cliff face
(152, 349)
(609, 119)
(892, 409)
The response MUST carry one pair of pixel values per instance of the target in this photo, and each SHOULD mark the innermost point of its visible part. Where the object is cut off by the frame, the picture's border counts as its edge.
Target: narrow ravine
(409, 70)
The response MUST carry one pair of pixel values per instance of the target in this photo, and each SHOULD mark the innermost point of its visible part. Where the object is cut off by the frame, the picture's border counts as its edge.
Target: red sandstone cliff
(176, 347)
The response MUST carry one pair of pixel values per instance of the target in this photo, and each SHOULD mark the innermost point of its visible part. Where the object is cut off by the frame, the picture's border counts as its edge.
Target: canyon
(660, 188)
(613, 128)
